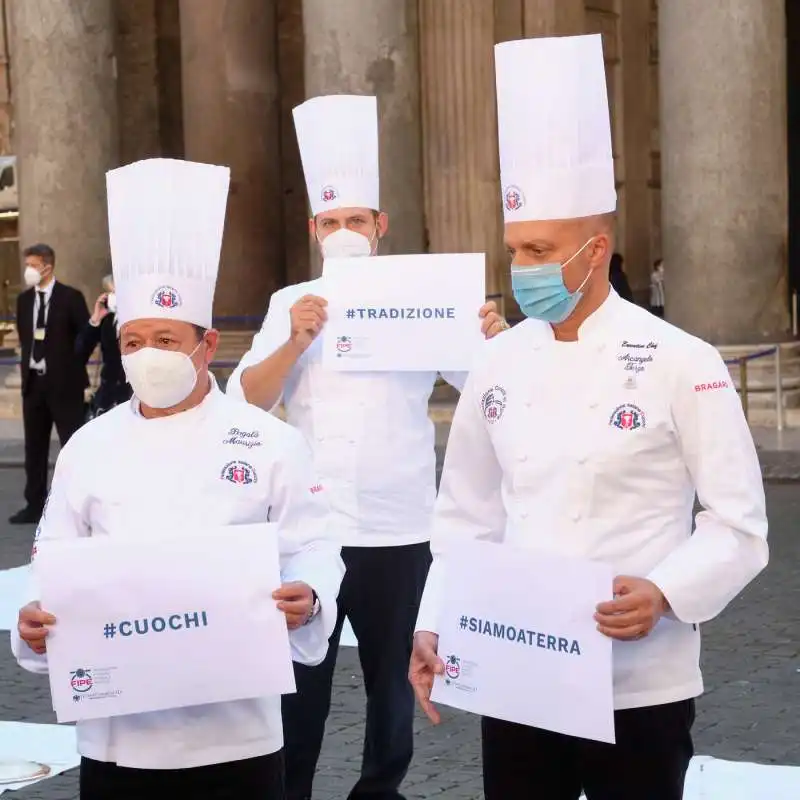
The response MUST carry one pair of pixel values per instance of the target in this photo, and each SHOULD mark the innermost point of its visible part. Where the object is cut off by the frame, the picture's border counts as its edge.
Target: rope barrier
(752, 356)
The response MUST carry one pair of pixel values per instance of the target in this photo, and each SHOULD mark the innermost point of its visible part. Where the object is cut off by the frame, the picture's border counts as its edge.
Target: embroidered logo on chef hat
(513, 198)
(166, 297)
(627, 417)
(493, 404)
(239, 473)
(329, 194)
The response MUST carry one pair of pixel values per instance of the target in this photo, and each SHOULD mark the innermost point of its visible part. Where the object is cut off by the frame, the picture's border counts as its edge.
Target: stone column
(65, 130)
(462, 179)
(372, 48)
(723, 156)
(230, 117)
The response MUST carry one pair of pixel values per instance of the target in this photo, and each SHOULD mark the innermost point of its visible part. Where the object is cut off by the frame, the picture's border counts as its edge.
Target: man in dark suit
(50, 315)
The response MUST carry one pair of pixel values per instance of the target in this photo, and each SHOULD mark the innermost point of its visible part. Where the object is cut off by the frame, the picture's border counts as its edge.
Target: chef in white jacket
(586, 431)
(182, 452)
(373, 446)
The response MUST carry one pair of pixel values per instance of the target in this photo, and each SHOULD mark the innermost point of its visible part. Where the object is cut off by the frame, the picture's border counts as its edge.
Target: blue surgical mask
(541, 293)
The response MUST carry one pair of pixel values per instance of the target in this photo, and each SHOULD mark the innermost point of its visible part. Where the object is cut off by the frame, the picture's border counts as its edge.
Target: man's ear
(312, 227)
(601, 249)
(212, 343)
(382, 224)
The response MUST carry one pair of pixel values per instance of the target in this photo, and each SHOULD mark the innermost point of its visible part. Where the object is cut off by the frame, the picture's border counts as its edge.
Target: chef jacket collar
(594, 327)
(603, 317)
(197, 412)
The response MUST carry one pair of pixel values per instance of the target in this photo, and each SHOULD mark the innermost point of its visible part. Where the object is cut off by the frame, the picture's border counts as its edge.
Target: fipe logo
(81, 681)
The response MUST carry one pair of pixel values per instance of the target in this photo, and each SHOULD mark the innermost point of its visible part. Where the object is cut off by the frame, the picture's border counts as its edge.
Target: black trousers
(251, 779)
(44, 405)
(648, 761)
(380, 593)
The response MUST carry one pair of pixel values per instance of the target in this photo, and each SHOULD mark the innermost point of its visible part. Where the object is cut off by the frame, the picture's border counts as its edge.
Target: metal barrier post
(743, 387)
(778, 389)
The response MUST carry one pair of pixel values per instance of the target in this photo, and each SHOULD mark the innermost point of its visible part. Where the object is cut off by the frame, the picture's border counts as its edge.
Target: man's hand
(307, 316)
(100, 309)
(425, 664)
(492, 323)
(636, 608)
(31, 626)
(296, 600)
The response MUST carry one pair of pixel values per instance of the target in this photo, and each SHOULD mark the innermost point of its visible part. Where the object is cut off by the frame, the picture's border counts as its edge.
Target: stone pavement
(751, 661)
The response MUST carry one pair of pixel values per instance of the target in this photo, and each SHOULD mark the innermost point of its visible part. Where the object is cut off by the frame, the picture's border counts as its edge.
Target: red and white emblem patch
(166, 297)
(513, 198)
(239, 472)
(627, 417)
(329, 194)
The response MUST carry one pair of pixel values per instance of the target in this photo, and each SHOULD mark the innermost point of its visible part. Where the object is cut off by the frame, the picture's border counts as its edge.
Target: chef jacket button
(594, 404)
(523, 514)
(523, 457)
(582, 459)
(528, 404)
(576, 516)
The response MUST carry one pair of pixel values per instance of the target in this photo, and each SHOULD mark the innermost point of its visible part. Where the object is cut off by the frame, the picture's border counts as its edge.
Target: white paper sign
(163, 622)
(520, 643)
(403, 313)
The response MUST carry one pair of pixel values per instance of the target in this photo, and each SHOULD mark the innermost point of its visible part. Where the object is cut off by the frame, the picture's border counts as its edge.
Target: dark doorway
(793, 137)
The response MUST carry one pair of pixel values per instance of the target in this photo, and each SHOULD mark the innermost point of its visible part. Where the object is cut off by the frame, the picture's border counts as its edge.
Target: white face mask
(345, 243)
(32, 277)
(160, 378)
(111, 302)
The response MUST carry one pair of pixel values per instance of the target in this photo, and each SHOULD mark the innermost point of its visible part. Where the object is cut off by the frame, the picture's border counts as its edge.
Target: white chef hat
(554, 129)
(165, 220)
(338, 140)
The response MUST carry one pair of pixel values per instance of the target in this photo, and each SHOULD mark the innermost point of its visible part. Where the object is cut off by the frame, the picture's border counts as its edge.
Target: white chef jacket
(594, 449)
(123, 467)
(370, 433)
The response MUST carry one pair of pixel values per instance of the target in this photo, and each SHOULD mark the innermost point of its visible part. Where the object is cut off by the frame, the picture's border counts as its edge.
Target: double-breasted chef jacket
(370, 433)
(122, 471)
(595, 449)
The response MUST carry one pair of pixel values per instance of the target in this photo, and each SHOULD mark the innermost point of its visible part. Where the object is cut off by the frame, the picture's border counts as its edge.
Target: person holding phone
(102, 329)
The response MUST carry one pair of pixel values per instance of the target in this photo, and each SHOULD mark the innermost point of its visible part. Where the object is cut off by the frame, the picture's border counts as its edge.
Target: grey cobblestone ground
(751, 659)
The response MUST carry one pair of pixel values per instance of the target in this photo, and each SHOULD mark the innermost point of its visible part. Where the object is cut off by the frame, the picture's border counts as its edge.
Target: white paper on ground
(13, 588)
(52, 745)
(715, 779)
(153, 625)
(519, 640)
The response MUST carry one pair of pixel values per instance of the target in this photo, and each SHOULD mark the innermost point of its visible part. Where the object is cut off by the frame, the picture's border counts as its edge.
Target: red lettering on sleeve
(711, 387)
(316, 488)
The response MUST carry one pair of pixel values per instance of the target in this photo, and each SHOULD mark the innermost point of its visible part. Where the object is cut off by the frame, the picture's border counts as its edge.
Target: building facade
(702, 138)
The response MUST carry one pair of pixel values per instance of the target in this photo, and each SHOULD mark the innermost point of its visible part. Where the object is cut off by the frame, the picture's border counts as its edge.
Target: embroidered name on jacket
(243, 438)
